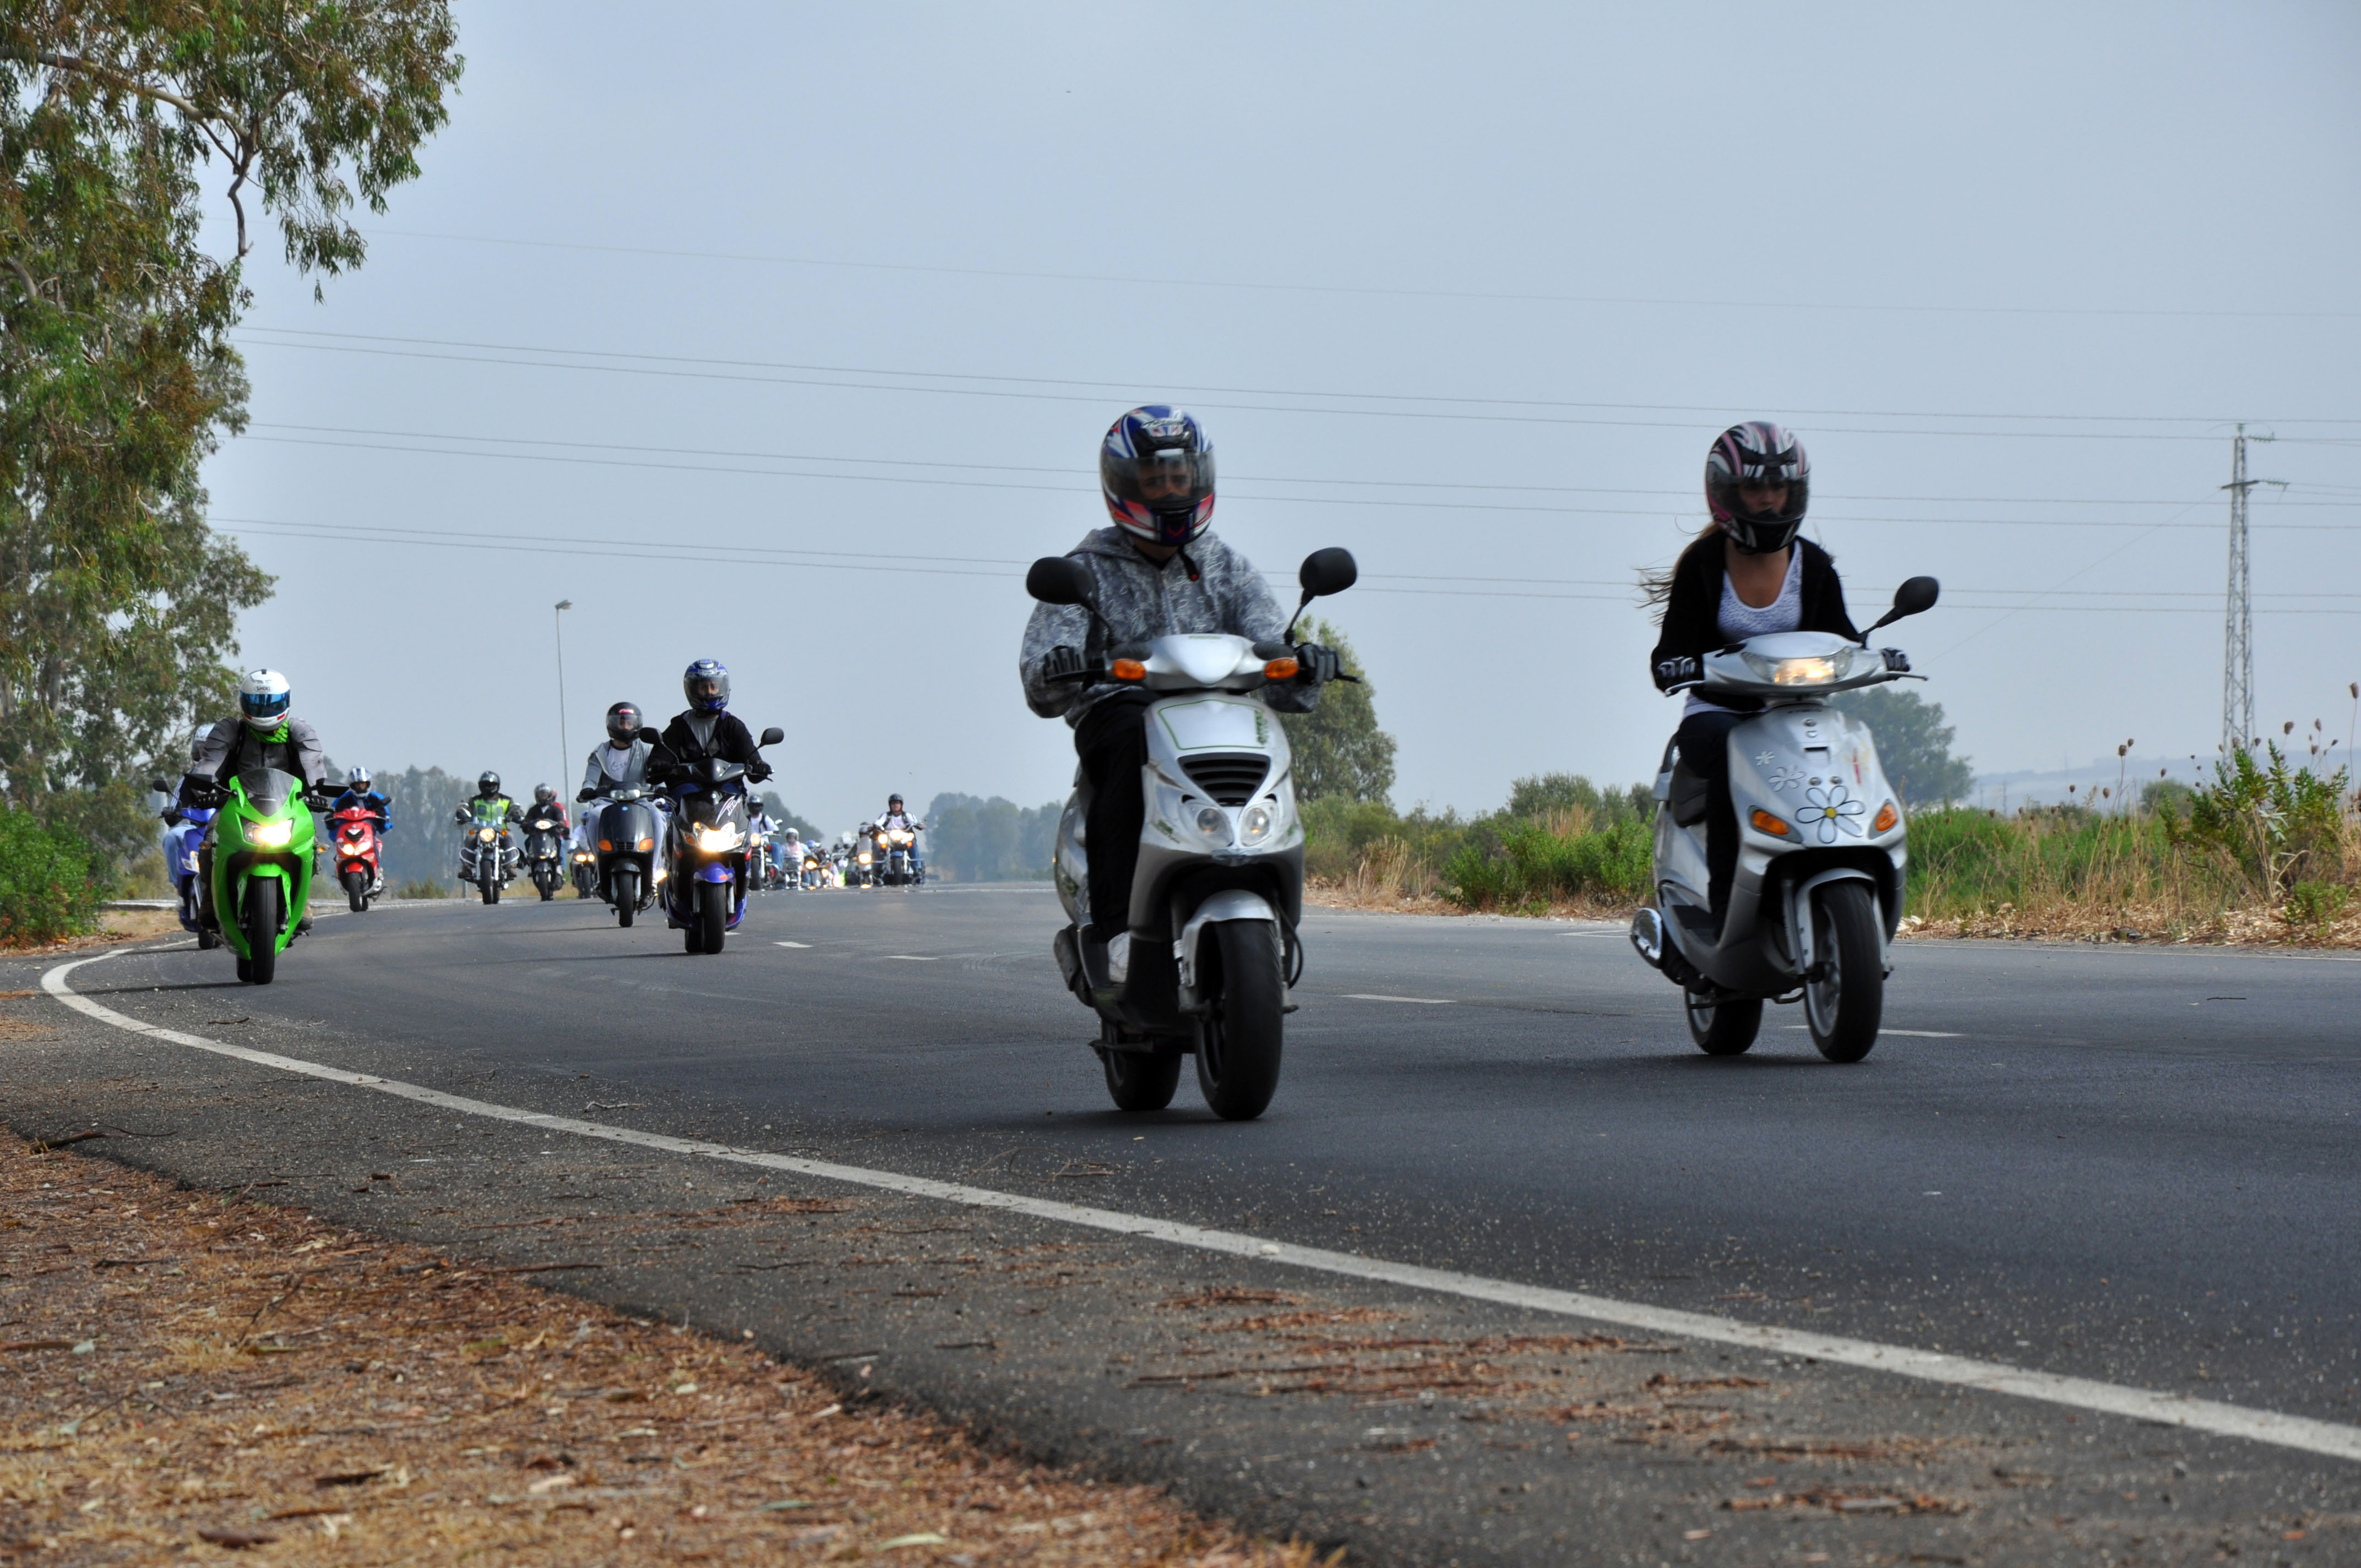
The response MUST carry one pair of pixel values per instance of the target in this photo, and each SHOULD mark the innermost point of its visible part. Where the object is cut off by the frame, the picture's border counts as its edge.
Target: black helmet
(542, 794)
(893, 802)
(623, 723)
(1758, 453)
(489, 785)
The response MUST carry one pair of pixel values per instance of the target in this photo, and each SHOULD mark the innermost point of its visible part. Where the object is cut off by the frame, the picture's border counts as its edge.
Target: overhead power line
(1848, 307)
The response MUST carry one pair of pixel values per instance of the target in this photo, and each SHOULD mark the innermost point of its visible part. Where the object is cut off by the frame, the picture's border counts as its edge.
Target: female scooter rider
(1746, 576)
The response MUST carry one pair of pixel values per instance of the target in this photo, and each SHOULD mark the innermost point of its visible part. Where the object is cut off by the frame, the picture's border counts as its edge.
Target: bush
(50, 886)
(422, 887)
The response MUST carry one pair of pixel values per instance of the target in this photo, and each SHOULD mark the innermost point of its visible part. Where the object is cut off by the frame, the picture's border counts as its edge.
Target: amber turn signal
(647, 843)
(1128, 670)
(1281, 669)
(1886, 818)
(1766, 822)
(604, 848)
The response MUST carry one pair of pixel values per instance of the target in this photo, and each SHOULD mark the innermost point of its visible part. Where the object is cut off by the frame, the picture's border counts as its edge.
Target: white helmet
(263, 698)
(359, 780)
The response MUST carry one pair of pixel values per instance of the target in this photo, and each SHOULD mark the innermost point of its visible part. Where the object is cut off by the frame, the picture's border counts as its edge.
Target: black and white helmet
(623, 723)
(358, 780)
(1758, 453)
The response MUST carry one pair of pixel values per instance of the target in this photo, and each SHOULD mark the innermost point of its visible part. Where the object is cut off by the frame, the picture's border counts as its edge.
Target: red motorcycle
(358, 866)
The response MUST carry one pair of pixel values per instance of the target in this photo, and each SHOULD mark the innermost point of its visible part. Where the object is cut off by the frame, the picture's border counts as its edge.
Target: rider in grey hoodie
(1158, 572)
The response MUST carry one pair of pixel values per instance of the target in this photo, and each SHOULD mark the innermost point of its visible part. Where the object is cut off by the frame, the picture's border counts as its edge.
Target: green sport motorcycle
(257, 875)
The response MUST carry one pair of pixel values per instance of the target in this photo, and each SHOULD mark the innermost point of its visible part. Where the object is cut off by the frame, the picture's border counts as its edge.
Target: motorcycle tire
(245, 969)
(1845, 1006)
(692, 938)
(1140, 1082)
(356, 890)
(1238, 1042)
(263, 919)
(713, 914)
(1722, 1028)
(491, 887)
(625, 881)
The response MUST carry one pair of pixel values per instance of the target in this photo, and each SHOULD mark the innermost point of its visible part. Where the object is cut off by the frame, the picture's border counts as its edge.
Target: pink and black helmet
(1760, 453)
(1167, 449)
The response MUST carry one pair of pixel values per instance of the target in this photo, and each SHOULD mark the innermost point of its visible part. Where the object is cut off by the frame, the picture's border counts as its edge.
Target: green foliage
(48, 882)
(2316, 902)
(422, 887)
(1339, 749)
(2167, 797)
(423, 843)
(2273, 826)
(1535, 864)
(1554, 794)
(1964, 861)
(968, 839)
(1913, 743)
(1560, 836)
(117, 605)
(784, 819)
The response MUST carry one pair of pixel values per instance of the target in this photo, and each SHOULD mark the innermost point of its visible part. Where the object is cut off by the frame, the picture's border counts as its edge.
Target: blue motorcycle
(704, 875)
(182, 840)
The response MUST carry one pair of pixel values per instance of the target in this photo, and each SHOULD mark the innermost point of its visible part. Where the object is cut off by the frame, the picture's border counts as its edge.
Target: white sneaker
(1119, 957)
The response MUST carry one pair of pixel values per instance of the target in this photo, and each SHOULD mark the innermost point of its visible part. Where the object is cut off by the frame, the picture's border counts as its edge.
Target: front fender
(1229, 904)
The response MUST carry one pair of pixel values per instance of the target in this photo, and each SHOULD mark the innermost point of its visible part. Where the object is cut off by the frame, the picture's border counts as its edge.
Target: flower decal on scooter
(1784, 777)
(1832, 809)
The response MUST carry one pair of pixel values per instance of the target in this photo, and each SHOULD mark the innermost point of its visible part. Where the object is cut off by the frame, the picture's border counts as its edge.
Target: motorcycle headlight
(717, 840)
(486, 834)
(1255, 826)
(1815, 670)
(1213, 824)
(270, 835)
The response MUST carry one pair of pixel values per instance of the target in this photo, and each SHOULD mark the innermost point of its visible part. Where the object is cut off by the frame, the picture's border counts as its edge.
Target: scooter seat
(1687, 797)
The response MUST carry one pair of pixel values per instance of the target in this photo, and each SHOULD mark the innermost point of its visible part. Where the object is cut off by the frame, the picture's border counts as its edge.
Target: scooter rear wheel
(1136, 1081)
(1846, 1007)
(1722, 1028)
(1238, 1043)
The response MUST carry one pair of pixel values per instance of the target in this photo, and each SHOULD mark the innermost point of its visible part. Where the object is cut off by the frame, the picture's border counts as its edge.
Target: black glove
(1061, 663)
(1670, 673)
(1315, 665)
(585, 795)
(758, 772)
(1895, 660)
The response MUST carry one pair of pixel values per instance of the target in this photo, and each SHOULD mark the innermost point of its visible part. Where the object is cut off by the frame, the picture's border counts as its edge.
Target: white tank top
(1740, 620)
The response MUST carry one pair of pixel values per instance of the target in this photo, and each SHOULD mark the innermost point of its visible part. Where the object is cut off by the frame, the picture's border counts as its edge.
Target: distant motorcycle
(258, 867)
(544, 850)
(484, 849)
(624, 870)
(182, 842)
(359, 854)
(897, 856)
(582, 865)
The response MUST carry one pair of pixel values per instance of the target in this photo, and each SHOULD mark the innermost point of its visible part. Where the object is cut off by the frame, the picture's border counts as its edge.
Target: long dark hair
(1656, 588)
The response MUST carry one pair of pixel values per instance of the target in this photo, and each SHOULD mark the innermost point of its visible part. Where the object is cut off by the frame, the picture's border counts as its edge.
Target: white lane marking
(1420, 1000)
(791, 944)
(1915, 1033)
(2300, 1432)
(915, 958)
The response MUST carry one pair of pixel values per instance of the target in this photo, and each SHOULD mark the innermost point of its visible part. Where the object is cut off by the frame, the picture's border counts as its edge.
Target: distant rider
(265, 734)
(1159, 571)
(895, 818)
(491, 808)
(358, 793)
(1746, 576)
(619, 762)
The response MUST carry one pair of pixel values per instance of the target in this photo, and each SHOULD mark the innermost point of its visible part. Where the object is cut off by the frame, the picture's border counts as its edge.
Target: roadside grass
(2267, 851)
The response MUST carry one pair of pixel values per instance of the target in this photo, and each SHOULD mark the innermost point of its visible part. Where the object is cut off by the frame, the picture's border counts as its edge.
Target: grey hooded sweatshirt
(1140, 600)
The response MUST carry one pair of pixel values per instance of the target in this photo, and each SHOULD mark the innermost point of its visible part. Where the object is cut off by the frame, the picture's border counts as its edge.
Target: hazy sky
(786, 336)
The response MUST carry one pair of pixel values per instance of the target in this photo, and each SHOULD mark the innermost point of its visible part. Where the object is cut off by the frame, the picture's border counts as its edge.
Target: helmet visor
(706, 690)
(1169, 479)
(263, 706)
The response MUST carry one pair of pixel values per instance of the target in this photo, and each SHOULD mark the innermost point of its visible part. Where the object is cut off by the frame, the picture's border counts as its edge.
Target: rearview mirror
(1329, 571)
(1917, 596)
(1061, 579)
(159, 786)
(773, 735)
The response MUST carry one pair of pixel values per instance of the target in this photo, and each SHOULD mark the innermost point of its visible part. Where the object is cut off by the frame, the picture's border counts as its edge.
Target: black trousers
(1111, 742)
(1704, 747)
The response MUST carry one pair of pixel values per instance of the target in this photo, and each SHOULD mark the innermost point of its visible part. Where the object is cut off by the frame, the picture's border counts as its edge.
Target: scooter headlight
(1213, 824)
(270, 835)
(1255, 826)
(1817, 670)
(718, 839)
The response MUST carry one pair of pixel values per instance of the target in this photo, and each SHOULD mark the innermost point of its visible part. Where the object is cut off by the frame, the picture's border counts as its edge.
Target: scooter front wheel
(262, 923)
(1238, 1042)
(713, 914)
(356, 890)
(1722, 1028)
(625, 879)
(1846, 1005)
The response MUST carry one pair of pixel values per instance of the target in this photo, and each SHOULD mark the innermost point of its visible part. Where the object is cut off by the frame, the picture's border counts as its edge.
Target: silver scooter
(1822, 847)
(1211, 948)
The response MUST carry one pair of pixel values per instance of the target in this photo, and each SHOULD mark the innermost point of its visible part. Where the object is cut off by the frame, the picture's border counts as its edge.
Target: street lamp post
(557, 618)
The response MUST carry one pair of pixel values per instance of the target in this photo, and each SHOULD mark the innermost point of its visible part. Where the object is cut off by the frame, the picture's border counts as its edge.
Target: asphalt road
(2131, 1164)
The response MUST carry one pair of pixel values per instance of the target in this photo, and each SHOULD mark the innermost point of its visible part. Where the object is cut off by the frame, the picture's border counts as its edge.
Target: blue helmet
(706, 684)
(1156, 470)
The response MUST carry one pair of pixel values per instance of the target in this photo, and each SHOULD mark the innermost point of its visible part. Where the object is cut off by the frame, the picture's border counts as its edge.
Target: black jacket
(725, 739)
(1692, 624)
